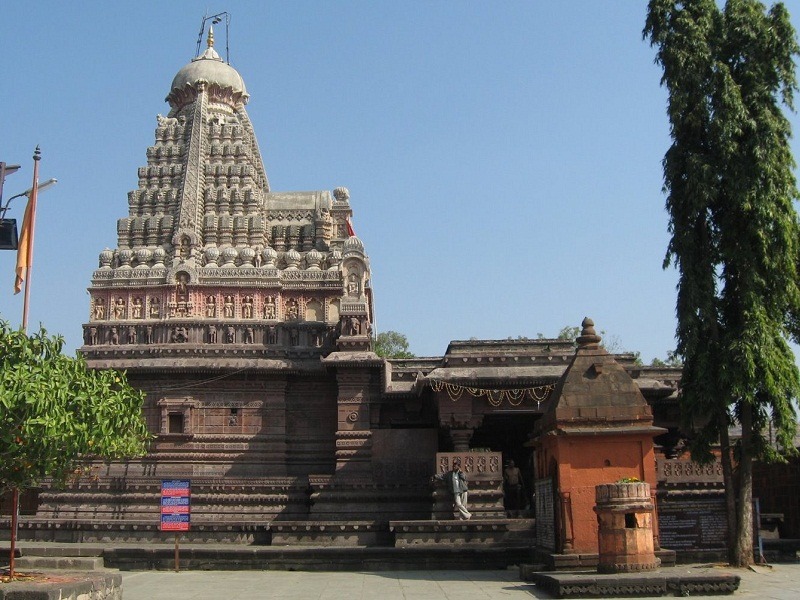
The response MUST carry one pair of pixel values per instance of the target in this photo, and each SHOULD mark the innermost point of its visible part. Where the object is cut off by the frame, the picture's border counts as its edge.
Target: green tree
(391, 344)
(730, 191)
(55, 413)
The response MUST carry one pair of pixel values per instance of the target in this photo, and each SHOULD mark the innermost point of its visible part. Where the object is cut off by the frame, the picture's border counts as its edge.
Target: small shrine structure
(597, 428)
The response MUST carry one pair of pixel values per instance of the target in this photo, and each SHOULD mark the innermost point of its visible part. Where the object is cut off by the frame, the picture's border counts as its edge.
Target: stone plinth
(625, 528)
(480, 533)
(93, 586)
(327, 533)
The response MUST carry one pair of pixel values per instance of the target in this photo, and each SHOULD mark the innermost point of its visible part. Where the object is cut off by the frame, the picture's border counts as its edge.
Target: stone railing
(680, 471)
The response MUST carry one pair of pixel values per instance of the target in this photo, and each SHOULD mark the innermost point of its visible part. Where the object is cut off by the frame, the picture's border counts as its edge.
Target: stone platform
(661, 582)
(66, 586)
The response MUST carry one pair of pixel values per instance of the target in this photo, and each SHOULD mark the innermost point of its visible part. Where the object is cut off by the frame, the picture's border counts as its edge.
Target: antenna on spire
(215, 19)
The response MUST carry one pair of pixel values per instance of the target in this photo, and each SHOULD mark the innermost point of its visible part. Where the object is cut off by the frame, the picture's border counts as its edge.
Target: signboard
(175, 505)
(692, 523)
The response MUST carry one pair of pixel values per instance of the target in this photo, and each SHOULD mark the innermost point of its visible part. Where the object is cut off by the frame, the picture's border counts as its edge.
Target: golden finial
(210, 36)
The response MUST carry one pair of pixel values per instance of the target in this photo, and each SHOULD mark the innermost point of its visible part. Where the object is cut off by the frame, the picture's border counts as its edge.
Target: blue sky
(503, 158)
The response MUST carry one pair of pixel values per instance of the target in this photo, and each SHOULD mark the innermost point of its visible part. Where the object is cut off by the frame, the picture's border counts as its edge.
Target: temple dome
(208, 67)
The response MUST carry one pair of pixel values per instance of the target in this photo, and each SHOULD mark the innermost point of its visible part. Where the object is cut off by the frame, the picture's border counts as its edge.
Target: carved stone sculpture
(247, 307)
(119, 309)
(269, 308)
(137, 308)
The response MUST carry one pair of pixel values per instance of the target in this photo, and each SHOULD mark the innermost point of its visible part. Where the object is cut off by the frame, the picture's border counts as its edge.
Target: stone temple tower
(243, 313)
(209, 259)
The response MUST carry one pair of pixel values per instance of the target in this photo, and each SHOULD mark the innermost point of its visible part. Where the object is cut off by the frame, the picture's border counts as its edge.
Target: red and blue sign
(175, 505)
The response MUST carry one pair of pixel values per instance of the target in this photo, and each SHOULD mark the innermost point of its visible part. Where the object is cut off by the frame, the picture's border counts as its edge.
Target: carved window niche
(176, 417)
(314, 311)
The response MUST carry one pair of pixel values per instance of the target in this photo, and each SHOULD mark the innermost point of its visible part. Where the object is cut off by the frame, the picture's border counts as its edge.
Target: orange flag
(23, 250)
(350, 231)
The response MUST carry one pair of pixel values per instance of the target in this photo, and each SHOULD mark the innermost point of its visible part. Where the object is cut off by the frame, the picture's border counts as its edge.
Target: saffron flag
(350, 230)
(23, 250)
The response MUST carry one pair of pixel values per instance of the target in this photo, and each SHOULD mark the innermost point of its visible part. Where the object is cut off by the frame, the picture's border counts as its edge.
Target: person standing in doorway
(455, 481)
(512, 479)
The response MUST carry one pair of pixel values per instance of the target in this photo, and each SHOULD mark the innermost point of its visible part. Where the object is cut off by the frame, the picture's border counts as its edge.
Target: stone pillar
(353, 435)
(625, 528)
(461, 439)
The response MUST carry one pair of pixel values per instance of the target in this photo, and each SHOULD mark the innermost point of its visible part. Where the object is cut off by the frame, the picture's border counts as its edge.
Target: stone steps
(63, 563)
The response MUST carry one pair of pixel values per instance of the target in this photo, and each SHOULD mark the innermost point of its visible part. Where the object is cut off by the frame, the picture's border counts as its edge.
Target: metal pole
(13, 543)
(37, 156)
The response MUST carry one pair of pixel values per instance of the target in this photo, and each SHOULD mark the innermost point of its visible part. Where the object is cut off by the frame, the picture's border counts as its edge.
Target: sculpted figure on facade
(272, 335)
(247, 307)
(99, 312)
(292, 310)
(270, 312)
(119, 309)
(355, 325)
(227, 308)
(180, 335)
(324, 225)
(182, 292)
(294, 336)
(137, 308)
(211, 306)
(212, 334)
(155, 308)
(353, 285)
(131, 334)
(114, 336)
(230, 334)
(185, 248)
(92, 336)
(248, 335)
(149, 334)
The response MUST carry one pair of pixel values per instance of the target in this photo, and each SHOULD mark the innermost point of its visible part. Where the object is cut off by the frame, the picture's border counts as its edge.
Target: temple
(245, 315)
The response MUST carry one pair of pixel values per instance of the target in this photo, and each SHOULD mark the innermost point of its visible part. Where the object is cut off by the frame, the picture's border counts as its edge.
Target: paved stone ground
(781, 582)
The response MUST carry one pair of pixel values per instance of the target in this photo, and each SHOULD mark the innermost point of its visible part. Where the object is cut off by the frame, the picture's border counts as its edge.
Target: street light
(8, 227)
(23, 270)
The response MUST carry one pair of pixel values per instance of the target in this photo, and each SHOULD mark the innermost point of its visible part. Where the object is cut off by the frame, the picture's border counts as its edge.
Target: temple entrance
(508, 433)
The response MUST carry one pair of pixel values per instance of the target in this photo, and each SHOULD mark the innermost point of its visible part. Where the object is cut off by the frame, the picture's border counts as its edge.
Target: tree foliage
(54, 411)
(391, 344)
(730, 190)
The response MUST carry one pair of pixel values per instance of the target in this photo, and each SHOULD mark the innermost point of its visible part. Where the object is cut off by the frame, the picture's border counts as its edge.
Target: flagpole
(37, 156)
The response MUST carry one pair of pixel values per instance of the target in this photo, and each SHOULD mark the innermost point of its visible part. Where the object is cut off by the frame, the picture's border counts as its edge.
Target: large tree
(55, 413)
(728, 176)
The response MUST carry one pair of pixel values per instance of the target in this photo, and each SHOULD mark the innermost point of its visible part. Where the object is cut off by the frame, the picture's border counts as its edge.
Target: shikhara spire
(206, 242)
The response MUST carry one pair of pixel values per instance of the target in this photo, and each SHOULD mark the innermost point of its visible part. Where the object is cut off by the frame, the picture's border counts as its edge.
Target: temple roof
(210, 68)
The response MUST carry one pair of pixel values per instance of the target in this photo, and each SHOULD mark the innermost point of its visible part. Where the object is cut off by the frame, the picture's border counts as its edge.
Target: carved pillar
(461, 439)
(353, 434)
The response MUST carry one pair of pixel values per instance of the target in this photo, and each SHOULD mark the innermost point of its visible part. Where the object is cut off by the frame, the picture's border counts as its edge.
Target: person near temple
(514, 492)
(455, 481)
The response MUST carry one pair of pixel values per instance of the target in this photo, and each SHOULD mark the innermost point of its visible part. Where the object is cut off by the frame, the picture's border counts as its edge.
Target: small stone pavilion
(245, 315)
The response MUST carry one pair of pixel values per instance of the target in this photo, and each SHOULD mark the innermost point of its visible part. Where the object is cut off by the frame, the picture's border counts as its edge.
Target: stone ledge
(326, 533)
(658, 583)
(64, 586)
(475, 532)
